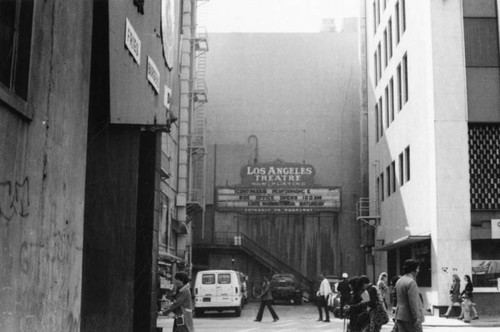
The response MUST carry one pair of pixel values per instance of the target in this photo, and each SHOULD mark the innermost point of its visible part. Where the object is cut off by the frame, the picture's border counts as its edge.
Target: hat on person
(344, 275)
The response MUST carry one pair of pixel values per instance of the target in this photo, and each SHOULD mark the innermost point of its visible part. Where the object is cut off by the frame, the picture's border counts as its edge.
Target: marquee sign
(278, 187)
(277, 200)
(278, 174)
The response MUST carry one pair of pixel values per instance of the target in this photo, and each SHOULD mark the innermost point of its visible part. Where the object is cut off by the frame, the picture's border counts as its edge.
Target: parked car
(286, 287)
(218, 290)
(334, 298)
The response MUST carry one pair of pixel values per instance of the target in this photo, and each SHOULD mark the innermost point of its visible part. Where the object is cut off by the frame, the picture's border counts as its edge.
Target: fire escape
(197, 116)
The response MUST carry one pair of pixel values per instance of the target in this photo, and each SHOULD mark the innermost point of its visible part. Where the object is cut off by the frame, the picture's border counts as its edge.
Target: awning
(402, 242)
(179, 226)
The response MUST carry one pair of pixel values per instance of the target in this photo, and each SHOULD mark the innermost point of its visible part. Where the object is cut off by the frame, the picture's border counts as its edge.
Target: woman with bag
(376, 310)
(181, 307)
(468, 307)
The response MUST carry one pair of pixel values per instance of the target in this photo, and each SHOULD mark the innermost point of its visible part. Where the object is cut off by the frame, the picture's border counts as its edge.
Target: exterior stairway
(250, 247)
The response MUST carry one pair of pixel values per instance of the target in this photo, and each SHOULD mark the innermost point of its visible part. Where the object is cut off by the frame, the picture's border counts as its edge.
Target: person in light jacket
(409, 313)
(454, 295)
(182, 305)
(322, 296)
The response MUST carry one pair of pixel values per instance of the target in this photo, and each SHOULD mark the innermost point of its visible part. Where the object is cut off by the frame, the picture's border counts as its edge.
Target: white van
(218, 290)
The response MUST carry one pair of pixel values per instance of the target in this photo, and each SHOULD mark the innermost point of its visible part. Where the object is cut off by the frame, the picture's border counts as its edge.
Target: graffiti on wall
(14, 199)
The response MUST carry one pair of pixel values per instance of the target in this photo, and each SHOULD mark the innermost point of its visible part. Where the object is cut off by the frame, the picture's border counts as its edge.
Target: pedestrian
(375, 307)
(322, 298)
(454, 295)
(345, 293)
(394, 298)
(266, 300)
(182, 306)
(409, 313)
(356, 310)
(468, 306)
(383, 288)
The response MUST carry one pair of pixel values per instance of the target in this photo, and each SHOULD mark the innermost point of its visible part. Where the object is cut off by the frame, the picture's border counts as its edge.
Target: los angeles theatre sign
(278, 187)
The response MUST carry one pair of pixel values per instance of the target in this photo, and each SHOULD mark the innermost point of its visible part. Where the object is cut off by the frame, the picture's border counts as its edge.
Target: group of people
(362, 302)
(366, 308)
(463, 299)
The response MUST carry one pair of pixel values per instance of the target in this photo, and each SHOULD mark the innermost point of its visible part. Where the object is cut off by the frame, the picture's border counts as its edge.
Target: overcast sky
(271, 15)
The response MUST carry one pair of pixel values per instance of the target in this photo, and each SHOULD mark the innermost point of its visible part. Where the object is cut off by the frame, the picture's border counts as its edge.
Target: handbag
(179, 320)
(379, 316)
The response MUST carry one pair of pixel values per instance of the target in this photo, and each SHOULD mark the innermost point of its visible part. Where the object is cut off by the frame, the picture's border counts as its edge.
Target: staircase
(253, 249)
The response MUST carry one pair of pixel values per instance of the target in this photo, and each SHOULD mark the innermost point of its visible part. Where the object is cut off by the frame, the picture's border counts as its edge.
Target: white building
(434, 138)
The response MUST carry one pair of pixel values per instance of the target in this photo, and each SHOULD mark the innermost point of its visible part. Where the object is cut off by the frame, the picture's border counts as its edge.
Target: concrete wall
(42, 176)
(434, 124)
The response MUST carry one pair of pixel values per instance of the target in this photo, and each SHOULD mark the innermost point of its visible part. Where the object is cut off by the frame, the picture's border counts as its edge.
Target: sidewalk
(486, 321)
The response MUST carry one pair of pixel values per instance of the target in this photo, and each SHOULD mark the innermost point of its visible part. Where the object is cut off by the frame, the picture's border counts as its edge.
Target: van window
(224, 278)
(208, 279)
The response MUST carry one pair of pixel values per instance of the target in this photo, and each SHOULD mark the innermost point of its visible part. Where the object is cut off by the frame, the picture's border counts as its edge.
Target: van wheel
(237, 312)
(199, 312)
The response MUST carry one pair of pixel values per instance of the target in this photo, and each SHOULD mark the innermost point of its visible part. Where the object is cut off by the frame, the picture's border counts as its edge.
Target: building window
(377, 134)
(387, 111)
(378, 12)
(481, 42)
(401, 169)
(379, 70)
(485, 262)
(399, 95)
(374, 17)
(388, 174)
(386, 45)
(389, 39)
(378, 187)
(16, 19)
(382, 189)
(403, 16)
(391, 98)
(393, 176)
(405, 79)
(375, 67)
(381, 117)
(407, 164)
(398, 33)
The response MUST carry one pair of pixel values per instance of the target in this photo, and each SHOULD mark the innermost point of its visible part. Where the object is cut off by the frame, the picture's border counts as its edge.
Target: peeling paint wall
(42, 176)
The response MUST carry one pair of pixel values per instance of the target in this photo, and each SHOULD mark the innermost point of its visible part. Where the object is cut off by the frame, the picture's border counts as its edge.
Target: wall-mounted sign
(167, 96)
(132, 42)
(153, 75)
(278, 200)
(278, 174)
(168, 31)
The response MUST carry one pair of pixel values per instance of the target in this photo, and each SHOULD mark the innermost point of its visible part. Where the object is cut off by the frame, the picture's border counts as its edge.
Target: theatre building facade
(284, 162)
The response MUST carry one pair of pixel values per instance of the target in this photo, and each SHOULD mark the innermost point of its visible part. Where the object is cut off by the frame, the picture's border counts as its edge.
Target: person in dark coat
(182, 305)
(468, 307)
(345, 293)
(266, 299)
(356, 309)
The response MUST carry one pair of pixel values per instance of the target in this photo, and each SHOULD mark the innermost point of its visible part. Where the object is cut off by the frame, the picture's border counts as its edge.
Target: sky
(271, 15)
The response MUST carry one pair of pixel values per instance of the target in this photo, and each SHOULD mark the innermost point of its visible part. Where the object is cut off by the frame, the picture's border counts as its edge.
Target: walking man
(266, 299)
(409, 315)
(322, 294)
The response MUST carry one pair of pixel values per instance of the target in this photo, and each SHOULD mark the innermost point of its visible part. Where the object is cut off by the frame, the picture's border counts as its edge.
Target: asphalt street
(298, 318)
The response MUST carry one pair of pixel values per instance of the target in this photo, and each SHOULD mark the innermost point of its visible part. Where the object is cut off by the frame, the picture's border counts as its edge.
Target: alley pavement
(303, 318)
